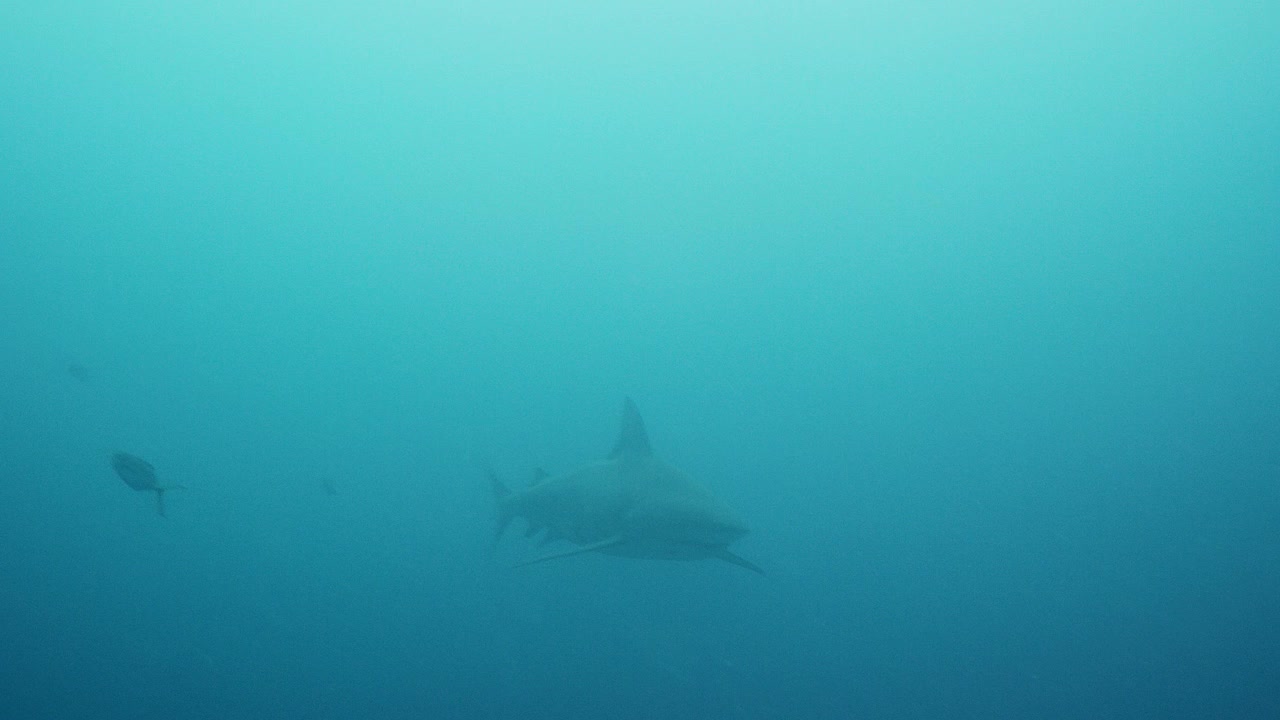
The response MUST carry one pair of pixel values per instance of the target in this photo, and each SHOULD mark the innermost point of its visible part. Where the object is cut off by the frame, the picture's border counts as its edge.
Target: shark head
(631, 504)
(701, 521)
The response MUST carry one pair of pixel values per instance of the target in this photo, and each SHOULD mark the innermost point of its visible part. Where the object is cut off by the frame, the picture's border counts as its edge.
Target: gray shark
(631, 504)
(139, 475)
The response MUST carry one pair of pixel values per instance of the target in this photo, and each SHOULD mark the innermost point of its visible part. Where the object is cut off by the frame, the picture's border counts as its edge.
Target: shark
(141, 476)
(631, 504)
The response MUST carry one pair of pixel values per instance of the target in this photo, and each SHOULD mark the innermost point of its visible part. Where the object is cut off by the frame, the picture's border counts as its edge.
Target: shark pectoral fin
(610, 542)
(729, 557)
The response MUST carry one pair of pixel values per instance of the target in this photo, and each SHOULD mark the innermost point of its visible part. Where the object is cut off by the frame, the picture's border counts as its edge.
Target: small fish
(79, 372)
(141, 476)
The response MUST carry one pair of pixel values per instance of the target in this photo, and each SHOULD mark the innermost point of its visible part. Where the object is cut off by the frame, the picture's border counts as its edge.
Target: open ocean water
(971, 311)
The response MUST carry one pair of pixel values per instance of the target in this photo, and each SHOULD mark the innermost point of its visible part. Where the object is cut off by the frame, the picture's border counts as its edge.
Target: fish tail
(160, 501)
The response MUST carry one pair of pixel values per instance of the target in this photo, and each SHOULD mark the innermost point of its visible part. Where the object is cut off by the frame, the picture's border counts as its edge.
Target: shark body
(631, 504)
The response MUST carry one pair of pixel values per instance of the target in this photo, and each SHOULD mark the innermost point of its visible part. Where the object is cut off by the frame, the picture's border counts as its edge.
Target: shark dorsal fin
(633, 440)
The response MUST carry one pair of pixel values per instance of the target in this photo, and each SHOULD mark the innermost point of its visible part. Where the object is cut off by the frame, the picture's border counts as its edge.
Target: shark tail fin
(502, 499)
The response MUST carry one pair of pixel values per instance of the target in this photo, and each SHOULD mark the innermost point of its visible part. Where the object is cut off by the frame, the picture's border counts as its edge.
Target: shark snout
(729, 527)
(717, 534)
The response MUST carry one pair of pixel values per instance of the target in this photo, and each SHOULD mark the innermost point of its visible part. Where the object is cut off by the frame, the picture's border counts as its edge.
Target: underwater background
(971, 310)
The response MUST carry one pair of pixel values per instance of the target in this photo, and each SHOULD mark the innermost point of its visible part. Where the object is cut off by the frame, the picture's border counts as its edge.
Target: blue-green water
(971, 310)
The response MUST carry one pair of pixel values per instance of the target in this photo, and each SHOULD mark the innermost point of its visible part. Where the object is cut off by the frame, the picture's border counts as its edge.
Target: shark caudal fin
(502, 501)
